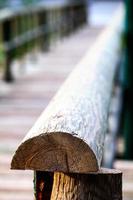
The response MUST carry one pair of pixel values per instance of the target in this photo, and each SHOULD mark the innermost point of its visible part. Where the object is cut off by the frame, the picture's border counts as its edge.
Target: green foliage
(3, 3)
(2, 54)
(29, 2)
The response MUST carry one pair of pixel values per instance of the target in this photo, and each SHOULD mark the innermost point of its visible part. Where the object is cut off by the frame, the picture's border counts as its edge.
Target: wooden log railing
(65, 146)
(36, 26)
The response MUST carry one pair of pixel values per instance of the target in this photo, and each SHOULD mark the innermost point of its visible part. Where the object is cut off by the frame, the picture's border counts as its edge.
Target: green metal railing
(127, 83)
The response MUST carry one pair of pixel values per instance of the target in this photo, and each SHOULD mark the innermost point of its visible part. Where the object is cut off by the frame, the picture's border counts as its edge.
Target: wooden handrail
(69, 135)
(65, 146)
(8, 13)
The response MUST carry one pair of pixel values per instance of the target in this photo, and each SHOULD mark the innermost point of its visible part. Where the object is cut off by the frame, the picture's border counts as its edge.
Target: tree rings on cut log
(55, 152)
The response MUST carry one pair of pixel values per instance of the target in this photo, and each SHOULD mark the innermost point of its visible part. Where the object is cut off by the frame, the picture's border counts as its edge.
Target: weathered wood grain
(69, 135)
(43, 182)
(104, 185)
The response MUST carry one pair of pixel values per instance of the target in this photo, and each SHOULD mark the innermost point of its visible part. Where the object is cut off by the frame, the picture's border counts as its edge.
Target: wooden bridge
(28, 96)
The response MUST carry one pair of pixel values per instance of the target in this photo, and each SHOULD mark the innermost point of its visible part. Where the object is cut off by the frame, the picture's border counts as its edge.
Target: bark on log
(43, 182)
(104, 185)
(69, 135)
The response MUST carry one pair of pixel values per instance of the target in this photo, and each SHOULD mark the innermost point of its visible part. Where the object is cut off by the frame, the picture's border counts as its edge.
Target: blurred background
(41, 42)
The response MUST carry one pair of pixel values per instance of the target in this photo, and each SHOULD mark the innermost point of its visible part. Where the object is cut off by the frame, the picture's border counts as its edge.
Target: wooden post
(46, 35)
(44, 38)
(2, 52)
(15, 34)
(21, 24)
(43, 182)
(7, 36)
(104, 185)
(8, 77)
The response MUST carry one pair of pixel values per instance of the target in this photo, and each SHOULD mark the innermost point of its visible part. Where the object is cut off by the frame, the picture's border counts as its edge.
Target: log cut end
(52, 152)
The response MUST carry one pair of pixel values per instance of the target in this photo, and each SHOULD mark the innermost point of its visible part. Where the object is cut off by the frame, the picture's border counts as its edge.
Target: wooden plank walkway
(127, 168)
(27, 98)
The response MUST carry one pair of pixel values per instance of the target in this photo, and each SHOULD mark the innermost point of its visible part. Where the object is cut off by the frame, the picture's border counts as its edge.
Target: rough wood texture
(69, 135)
(43, 182)
(104, 185)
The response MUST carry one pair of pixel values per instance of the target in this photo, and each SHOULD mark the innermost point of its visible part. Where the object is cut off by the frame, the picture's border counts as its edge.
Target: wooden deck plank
(127, 168)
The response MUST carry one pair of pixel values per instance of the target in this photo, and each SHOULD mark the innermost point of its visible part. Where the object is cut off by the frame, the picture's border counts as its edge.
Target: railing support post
(43, 182)
(8, 76)
(7, 35)
(104, 185)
